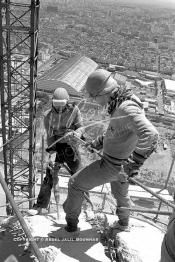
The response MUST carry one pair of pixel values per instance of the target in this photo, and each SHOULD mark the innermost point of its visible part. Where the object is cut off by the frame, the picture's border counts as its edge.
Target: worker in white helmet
(63, 117)
(129, 140)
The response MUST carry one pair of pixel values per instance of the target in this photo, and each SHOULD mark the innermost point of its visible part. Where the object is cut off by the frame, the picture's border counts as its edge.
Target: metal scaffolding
(18, 72)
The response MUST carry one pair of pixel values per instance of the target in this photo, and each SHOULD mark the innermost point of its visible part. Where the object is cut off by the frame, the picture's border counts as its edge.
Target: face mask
(59, 103)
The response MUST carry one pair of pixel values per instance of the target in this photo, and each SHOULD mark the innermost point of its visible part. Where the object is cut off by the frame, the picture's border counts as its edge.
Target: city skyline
(155, 2)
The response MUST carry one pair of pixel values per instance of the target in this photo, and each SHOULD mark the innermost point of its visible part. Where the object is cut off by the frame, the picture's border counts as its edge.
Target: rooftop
(144, 83)
(169, 84)
(70, 74)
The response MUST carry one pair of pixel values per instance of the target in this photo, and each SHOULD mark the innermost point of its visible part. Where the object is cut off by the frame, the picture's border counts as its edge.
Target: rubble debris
(11, 258)
(132, 246)
(96, 239)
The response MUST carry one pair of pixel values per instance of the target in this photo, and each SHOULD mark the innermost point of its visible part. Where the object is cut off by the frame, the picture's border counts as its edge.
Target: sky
(166, 3)
(160, 1)
(152, 1)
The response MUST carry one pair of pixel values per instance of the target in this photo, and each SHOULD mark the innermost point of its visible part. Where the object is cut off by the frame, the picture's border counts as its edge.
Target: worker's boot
(34, 211)
(122, 225)
(71, 224)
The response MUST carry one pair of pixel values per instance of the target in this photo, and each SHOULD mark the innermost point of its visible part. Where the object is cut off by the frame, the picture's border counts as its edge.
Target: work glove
(50, 165)
(78, 134)
(131, 167)
(96, 144)
(73, 133)
(89, 146)
(50, 151)
(133, 164)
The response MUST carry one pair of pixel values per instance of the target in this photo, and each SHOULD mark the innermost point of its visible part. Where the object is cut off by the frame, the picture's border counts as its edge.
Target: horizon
(167, 3)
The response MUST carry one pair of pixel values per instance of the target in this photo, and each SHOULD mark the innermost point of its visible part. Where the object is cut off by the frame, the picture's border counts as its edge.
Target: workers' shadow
(75, 245)
(12, 243)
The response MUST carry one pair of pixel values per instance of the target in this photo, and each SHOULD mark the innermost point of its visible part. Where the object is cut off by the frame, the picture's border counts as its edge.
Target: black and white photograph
(87, 131)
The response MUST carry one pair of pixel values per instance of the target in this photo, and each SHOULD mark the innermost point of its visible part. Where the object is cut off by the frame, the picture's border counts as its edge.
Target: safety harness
(119, 96)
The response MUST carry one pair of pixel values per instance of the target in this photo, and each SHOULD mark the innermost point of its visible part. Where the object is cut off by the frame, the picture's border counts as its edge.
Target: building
(70, 74)
(169, 86)
(145, 84)
(120, 78)
(146, 87)
(45, 51)
(170, 108)
(113, 68)
(150, 75)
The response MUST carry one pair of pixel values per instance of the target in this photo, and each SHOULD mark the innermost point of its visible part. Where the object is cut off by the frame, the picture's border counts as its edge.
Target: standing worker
(168, 244)
(129, 140)
(62, 118)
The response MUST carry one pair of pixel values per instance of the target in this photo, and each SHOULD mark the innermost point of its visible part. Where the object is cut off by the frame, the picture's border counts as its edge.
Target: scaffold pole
(21, 220)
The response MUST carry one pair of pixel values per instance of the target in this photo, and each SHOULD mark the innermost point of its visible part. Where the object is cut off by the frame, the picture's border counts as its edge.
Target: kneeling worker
(62, 118)
(129, 140)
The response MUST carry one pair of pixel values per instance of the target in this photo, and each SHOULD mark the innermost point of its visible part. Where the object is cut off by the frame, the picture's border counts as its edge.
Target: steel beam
(18, 72)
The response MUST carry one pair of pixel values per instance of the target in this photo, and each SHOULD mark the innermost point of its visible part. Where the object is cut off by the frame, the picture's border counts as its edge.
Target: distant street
(160, 99)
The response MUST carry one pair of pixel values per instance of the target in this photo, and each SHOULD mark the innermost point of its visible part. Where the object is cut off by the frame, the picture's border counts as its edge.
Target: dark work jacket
(56, 124)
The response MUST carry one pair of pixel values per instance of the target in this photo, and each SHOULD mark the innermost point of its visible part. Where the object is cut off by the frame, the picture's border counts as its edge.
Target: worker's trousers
(168, 244)
(65, 154)
(97, 173)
